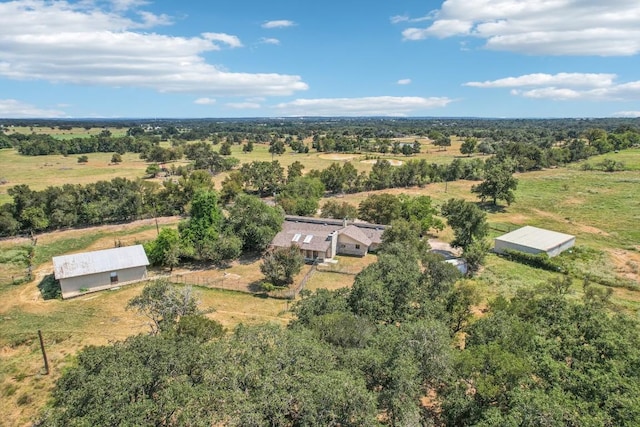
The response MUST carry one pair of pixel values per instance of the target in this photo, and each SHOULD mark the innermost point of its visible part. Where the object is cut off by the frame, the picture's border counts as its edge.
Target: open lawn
(40, 172)
(75, 132)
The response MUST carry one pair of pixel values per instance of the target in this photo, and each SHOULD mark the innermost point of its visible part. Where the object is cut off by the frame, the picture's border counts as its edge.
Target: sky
(290, 58)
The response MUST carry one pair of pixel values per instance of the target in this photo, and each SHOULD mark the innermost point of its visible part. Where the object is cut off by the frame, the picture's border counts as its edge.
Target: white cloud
(539, 27)
(541, 79)
(282, 23)
(204, 101)
(269, 40)
(631, 114)
(243, 105)
(558, 94)
(82, 44)
(404, 81)
(406, 18)
(441, 28)
(399, 18)
(127, 4)
(232, 41)
(566, 86)
(12, 109)
(368, 106)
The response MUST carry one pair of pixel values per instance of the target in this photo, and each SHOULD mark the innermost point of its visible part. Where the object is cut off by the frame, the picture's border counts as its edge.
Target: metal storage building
(99, 270)
(534, 240)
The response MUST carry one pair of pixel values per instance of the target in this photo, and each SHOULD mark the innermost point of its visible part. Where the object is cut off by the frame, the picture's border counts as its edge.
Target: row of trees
(125, 200)
(269, 178)
(104, 142)
(97, 203)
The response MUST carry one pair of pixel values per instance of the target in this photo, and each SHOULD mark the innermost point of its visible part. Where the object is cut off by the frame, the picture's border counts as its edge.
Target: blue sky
(278, 58)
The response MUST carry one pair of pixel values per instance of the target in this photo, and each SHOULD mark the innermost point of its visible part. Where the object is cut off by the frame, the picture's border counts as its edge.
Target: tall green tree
(166, 249)
(201, 231)
(380, 208)
(420, 210)
(499, 183)
(281, 265)
(338, 210)
(301, 196)
(468, 221)
(469, 145)
(254, 222)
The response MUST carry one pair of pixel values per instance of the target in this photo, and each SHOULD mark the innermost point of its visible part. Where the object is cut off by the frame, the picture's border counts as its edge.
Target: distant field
(75, 132)
(40, 172)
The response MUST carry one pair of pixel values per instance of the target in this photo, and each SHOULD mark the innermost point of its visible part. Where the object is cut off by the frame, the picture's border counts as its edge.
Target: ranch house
(321, 239)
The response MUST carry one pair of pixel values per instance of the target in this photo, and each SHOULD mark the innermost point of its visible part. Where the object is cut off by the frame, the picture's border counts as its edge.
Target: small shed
(534, 240)
(99, 270)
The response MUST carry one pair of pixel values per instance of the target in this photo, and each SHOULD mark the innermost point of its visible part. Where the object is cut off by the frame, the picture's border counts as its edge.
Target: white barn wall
(534, 240)
(72, 285)
(501, 246)
(561, 248)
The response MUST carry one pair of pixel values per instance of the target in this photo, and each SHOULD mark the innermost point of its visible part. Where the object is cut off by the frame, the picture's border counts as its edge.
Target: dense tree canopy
(254, 222)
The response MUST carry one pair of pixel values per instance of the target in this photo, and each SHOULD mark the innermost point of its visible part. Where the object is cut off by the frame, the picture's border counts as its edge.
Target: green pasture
(75, 132)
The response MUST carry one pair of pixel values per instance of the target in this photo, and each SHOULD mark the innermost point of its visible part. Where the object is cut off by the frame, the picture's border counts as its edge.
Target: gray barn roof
(86, 263)
(534, 237)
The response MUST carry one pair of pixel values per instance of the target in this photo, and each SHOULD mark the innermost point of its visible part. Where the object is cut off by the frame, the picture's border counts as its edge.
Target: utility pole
(44, 353)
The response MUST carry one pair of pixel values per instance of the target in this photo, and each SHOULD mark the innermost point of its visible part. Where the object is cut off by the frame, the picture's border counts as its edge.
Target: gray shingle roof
(321, 229)
(82, 264)
(356, 234)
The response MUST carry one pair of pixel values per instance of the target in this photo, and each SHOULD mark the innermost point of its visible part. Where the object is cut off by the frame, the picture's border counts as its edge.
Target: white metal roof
(115, 259)
(535, 237)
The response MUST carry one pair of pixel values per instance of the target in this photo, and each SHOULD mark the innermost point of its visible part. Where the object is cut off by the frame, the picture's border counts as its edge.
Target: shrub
(50, 288)
(540, 260)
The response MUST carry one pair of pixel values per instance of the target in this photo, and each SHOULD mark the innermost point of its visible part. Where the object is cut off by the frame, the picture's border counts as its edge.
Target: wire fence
(234, 282)
(293, 292)
(340, 269)
(229, 282)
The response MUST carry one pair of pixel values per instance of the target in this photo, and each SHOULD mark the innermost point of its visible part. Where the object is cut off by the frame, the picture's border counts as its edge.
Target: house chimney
(344, 222)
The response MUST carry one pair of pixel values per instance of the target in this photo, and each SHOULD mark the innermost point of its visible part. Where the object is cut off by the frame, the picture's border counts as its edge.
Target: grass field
(75, 132)
(601, 209)
(40, 172)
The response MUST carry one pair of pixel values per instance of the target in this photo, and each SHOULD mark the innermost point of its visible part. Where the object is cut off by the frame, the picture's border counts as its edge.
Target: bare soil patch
(627, 263)
(337, 156)
(392, 162)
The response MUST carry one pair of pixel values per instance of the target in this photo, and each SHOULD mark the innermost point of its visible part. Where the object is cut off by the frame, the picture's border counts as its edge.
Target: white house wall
(347, 246)
(72, 285)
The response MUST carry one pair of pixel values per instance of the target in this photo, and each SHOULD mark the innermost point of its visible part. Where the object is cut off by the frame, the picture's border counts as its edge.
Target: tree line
(102, 202)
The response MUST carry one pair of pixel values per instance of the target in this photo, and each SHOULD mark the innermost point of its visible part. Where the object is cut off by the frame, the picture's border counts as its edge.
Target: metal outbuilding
(534, 240)
(99, 270)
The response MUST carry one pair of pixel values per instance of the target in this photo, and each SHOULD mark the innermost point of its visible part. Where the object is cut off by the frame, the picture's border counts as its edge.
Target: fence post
(44, 353)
